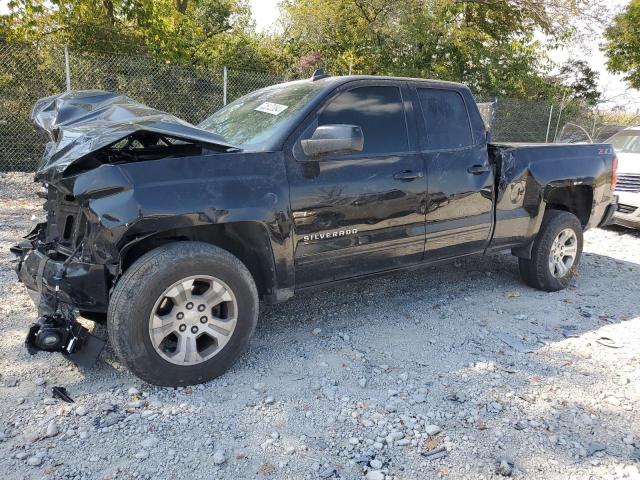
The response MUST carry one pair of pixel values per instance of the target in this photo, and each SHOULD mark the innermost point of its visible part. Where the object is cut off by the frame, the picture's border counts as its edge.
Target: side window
(378, 111)
(446, 118)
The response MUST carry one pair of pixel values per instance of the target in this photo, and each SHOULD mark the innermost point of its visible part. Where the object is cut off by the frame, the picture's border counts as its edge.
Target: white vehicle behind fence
(627, 146)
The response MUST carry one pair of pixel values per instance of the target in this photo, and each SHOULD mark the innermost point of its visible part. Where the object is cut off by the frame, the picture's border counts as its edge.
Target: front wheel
(556, 252)
(182, 314)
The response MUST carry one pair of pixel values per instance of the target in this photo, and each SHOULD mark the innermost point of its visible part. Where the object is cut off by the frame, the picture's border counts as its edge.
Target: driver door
(359, 212)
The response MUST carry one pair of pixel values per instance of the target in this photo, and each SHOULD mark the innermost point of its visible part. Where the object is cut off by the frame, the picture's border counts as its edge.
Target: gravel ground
(458, 371)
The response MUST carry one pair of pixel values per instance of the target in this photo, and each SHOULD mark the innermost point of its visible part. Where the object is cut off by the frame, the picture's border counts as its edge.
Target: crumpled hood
(82, 122)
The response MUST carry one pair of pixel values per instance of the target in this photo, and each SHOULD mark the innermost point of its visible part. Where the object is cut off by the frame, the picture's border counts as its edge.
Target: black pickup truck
(171, 233)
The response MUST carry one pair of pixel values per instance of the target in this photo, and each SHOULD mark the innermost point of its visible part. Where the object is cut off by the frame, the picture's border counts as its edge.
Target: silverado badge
(335, 234)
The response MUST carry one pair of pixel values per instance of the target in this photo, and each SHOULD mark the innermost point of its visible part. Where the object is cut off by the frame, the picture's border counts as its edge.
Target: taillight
(614, 175)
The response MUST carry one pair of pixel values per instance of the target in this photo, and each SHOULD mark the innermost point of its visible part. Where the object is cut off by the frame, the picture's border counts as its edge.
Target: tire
(142, 288)
(537, 272)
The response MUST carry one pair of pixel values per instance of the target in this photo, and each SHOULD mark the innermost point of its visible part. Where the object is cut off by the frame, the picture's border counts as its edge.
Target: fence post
(224, 85)
(67, 69)
(546, 139)
(562, 105)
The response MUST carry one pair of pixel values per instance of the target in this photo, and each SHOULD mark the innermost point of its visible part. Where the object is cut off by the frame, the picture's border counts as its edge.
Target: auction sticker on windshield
(272, 108)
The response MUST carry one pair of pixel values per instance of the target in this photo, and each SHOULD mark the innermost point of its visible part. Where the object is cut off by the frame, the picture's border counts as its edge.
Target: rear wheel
(182, 313)
(556, 252)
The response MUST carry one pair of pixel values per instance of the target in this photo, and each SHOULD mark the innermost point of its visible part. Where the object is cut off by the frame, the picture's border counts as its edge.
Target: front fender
(129, 202)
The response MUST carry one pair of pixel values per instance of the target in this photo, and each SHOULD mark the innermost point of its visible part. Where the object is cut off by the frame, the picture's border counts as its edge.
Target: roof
(333, 81)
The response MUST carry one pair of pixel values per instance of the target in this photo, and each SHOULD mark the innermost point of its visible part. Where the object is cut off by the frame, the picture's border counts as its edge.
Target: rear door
(359, 213)
(460, 180)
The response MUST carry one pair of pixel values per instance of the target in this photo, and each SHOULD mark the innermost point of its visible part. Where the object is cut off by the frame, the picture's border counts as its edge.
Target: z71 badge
(324, 236)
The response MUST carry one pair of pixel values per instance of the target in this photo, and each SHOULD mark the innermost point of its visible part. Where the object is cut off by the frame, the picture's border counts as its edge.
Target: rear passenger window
(446, 119)
(377, 110)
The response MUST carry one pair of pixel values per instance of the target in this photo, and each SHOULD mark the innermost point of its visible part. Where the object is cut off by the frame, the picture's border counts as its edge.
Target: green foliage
(622, 45)
(578, 80)
(488, 44)
(183, 31)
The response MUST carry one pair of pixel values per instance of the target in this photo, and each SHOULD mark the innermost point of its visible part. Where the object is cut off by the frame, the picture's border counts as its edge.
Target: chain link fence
(193, 92)
(187, 91)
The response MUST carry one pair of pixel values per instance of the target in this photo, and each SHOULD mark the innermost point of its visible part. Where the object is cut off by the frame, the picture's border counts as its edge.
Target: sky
(266, 12)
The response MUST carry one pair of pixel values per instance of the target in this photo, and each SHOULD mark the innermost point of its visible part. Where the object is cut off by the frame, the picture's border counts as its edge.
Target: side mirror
(334, 139)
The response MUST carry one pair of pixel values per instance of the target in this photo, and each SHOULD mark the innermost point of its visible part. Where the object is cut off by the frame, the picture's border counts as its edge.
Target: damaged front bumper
(47, 273)
(58, 286)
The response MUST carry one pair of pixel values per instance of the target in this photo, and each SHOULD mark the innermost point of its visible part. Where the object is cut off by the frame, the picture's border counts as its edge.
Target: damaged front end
(54, 282)
(70, 262)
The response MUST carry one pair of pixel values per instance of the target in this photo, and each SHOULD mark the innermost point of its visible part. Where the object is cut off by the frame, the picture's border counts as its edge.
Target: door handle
(478, 169)
(407, 175)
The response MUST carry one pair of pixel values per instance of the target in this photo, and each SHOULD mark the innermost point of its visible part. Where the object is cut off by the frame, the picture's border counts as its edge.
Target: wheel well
(577, 199)
(248, 241)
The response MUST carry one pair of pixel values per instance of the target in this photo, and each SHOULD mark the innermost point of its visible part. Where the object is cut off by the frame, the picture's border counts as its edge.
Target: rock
(354, 441)
(269, 400)
(107, 407)
(375, 464)
(52, 430)
(81, 411)
(362, 382)
(219, 457)
(328, 472)
(133, 391)
(504, 469)
(316, 331)
(375, 475)
(595, 447)
(403, 376)
(432, 430)
(260, 387)
(275, 435)
(504, 466)
(40, 381)
(34, 461)
(149, 442)
(141, 455)
(394, 436)
(403, 442)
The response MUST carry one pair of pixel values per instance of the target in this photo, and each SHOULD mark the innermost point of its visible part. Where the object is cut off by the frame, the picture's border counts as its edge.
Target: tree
(580, 81)
(488, 44)
(622, 45)
(185, 31)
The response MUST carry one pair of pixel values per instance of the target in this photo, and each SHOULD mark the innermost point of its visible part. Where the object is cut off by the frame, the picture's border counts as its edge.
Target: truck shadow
(623, 230)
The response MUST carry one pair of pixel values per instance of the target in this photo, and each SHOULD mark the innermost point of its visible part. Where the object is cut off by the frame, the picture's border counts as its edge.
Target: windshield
(253, 119)
(626, 141)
